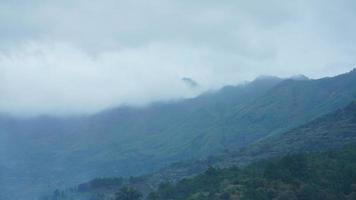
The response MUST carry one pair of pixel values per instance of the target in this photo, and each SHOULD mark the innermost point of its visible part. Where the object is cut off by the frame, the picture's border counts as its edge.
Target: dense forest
(318, 176)
(328, 175)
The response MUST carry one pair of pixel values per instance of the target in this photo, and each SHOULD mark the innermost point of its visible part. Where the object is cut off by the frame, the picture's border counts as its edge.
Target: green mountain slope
(290, 104)
(132, 141)
(329, 175)
(204, 126)
(49, 152)
(329, 131)
(324, 176)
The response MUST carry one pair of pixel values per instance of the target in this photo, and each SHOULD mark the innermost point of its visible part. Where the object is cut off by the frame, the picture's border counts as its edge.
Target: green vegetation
(295, 174)
(128, 193)
(318, 176)
(330, 131)
(99, 183)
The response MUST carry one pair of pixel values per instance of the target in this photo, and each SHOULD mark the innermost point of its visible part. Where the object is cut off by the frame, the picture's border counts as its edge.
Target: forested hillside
(329, 175)
(318, 176)
(125, 141)
(327, 133)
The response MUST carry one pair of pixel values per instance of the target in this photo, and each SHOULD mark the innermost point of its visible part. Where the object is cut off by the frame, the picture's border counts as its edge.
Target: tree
(128, 193)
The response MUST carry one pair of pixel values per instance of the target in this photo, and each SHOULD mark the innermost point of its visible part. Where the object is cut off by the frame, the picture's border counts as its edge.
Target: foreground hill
(318, 176)
(51, 153)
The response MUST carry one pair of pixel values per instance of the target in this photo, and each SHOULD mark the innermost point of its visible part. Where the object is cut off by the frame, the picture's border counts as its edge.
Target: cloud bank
(80, 57)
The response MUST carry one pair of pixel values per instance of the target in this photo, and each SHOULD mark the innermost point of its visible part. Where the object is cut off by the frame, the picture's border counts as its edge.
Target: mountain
(328, 133)
(52, 152)
(292, 103)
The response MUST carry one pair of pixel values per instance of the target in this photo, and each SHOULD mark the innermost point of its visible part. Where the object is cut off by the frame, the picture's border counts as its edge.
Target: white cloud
(58, 78)
(74, 57)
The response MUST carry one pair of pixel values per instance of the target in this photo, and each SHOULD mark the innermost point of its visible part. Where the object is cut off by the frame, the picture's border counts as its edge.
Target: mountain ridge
(330, 132)
(129, 141)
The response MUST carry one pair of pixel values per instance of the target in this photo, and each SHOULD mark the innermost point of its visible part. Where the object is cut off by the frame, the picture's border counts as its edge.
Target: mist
(76, 57)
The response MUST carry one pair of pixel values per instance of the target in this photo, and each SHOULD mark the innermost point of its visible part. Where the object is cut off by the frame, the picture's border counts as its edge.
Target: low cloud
(80, 57)
(62, 79)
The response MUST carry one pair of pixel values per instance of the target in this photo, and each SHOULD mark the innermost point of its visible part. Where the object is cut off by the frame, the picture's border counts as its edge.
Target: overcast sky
(78, 56)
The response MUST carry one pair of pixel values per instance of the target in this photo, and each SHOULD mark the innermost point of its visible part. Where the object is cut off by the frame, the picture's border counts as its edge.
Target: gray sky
(77, 56)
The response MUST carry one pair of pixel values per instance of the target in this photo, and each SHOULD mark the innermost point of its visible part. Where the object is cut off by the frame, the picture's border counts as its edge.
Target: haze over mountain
(73, 57)
(125, 88)
(328, 132)
(55, 152)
